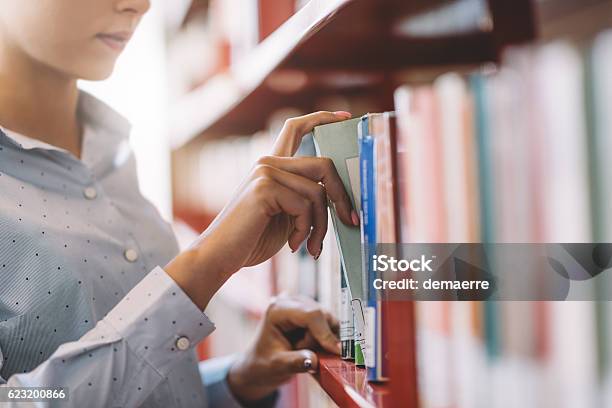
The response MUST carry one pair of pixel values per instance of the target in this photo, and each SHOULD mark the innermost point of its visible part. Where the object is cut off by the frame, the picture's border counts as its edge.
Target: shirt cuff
(159, 322)
(214, 375)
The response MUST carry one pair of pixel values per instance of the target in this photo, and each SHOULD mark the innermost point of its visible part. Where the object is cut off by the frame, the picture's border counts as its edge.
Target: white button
(90, 193)
(182, 343)
(130, 255)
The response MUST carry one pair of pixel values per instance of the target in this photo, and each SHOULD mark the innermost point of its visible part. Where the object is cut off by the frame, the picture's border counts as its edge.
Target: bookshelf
(363, 48)
(358, 49)
(330, 41)
(347, 385)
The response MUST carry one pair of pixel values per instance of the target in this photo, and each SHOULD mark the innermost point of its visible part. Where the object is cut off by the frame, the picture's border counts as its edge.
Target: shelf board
(578, 20)
(205, 106)
(348, 47)
(346, 384)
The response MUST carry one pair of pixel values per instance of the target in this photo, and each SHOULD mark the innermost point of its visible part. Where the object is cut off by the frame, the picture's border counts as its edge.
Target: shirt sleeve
(128, 353)
(214, 375)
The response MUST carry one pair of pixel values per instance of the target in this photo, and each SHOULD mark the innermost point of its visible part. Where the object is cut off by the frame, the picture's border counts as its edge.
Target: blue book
(373, 349)
(478, 84)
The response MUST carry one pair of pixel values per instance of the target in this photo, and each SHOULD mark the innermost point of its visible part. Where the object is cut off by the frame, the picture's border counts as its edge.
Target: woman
(84, 303)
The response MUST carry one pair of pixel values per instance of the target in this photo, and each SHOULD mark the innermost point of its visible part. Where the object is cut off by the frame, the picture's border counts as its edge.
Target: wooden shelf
(346, 384)
(349, 47)
(578, 20)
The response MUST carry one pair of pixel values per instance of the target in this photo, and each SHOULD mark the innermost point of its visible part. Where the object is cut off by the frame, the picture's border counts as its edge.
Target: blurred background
(520, 97)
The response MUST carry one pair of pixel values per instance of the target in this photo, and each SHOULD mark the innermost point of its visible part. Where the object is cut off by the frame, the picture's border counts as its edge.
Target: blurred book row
(518, 152)
(515, 155)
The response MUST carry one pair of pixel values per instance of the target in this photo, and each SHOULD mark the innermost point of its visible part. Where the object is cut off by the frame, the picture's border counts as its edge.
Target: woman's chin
(97, 73)
(92, 69)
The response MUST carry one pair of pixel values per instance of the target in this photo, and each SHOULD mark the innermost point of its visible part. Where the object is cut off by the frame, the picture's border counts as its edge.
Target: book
(514, 214)
(558, 71)
(600, 103)
(460, 180)
(347, 321)
(384, 130)
(402, 104)
(459, 158)
(367, 216)
(378, 225)
(273, 13)
(480, 96)
(338, 141)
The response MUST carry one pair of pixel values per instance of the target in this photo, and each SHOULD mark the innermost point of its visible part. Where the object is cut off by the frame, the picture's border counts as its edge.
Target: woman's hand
(284, 199)
(291, 329)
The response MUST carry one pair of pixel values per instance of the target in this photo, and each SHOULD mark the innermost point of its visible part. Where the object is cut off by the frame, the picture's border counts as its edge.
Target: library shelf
(346, 384)
(578, 20)
(348, 47)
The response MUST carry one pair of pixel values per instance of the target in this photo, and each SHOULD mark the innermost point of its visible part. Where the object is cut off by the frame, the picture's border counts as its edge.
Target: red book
(272, 14)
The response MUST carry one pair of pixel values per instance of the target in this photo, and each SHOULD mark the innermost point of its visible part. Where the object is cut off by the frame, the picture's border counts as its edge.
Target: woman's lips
(115, 41)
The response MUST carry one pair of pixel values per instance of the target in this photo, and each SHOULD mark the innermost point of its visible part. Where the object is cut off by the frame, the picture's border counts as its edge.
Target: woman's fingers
(314, 192)
(306, 342)
(333, 322)
(280, 199)
(295, 128)
(315, 321)
(319, 169)
(298, 312)
(295, 362)
(319, 328)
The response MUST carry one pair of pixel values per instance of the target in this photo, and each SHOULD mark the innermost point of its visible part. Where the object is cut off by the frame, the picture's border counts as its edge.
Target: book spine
(347, 325)
(373, 338)
(481, 115)
(359, 316)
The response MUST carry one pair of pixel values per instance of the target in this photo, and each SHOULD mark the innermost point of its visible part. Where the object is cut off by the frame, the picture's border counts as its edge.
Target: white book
(451, 93)
(560, 99)
(566, 212)
(467, 350)
(601, 60)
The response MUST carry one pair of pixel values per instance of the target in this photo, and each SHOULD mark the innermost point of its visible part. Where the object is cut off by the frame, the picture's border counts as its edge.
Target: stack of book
(516, 153)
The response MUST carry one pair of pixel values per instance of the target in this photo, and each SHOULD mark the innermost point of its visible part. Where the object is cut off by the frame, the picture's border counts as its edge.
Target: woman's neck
(38, 101)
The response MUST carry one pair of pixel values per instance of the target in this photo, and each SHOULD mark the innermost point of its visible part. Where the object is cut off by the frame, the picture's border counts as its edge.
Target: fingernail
(354, 218)
(307, 363)
(343, 114)
(339, 347)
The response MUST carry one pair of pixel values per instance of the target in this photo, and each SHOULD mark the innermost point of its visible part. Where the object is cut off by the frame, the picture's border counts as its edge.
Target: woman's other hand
(291, 329)
(283, 200)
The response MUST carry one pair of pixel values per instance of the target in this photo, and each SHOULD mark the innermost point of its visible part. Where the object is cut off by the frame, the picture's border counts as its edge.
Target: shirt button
(90, 193)
(182, 343)
(130, 255)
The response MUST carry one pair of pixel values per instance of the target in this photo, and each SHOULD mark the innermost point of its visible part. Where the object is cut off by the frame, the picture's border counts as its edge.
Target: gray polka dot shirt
(83, 302)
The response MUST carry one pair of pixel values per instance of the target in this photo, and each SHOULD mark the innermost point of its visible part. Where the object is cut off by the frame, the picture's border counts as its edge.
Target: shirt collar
(102, 117)
(28, 143)
(96, 116)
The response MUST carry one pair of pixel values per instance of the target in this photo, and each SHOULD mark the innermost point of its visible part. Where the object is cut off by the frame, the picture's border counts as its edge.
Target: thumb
(298, 361)
(295, 128)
